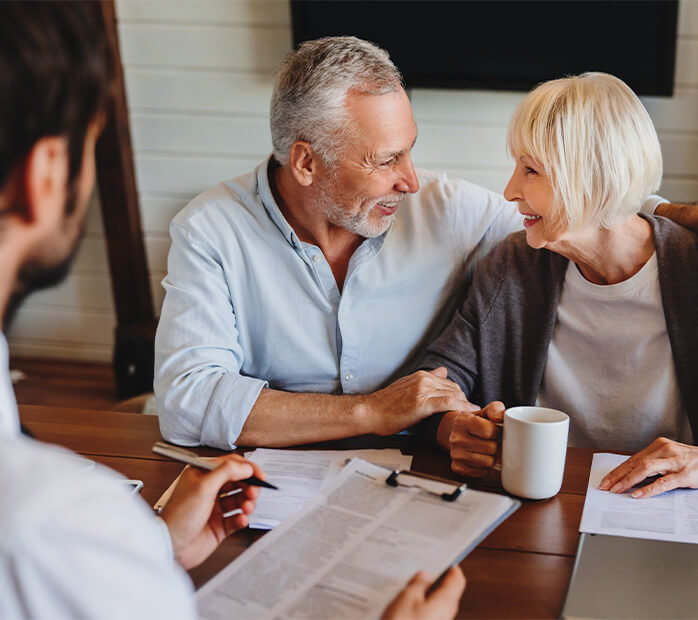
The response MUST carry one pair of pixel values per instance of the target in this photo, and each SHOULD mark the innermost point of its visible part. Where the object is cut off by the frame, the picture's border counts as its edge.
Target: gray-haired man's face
(362, 191)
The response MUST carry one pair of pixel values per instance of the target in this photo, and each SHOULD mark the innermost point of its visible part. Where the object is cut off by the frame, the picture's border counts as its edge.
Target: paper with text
(671, 516)
(301, 474)
(350, 550)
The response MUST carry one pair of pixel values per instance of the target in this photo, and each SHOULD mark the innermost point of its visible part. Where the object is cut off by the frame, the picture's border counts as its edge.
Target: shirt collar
(267, 198)
(9, 418)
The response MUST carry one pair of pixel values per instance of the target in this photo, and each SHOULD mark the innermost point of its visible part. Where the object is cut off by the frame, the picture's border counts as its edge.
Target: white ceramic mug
(534, 447)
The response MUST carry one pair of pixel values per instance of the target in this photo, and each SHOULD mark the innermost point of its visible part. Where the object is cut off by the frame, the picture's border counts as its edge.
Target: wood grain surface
(521, 570)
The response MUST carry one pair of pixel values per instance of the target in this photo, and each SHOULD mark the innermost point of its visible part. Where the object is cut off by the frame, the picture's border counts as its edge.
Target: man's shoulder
(226, 202)
(41, 483)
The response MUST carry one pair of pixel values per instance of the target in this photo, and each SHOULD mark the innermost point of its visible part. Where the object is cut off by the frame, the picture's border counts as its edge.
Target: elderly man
(296, 294)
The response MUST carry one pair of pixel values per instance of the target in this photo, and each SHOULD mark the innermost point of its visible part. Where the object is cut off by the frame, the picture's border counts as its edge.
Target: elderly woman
(592, 309)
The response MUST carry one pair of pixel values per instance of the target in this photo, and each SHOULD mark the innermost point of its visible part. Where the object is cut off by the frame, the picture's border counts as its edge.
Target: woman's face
(530, 186)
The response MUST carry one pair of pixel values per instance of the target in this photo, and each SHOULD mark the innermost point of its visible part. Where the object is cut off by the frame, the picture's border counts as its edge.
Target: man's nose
(408, 181)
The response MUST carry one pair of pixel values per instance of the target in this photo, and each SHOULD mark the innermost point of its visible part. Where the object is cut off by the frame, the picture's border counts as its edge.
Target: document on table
(301, 474)
(350, 550)
(671, 516)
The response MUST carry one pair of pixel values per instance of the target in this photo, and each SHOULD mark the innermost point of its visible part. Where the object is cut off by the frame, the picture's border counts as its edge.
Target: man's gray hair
(312, 84)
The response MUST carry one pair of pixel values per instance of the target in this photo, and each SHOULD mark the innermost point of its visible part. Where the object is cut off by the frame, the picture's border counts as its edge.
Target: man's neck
(337, 244)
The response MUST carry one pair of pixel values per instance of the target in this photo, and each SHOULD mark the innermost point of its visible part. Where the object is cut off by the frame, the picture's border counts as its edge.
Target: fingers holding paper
(417, 602)
(205, 507)
(472, 439)
(676, 464)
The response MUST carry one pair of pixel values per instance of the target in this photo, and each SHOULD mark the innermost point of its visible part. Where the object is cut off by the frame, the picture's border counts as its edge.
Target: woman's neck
(609, 255)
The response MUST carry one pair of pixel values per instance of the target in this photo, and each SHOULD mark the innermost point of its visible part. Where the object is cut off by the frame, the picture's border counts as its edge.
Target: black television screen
(504, 44)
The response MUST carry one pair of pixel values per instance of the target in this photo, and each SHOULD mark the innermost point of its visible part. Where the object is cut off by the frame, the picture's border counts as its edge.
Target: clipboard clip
(447, 490)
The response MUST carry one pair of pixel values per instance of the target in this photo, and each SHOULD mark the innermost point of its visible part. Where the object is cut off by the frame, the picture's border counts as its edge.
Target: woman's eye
(530, 170)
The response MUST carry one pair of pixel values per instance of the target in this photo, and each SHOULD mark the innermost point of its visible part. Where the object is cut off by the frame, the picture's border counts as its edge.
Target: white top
(73, 544)
(610, 365)
(248, 304)
(9, 417)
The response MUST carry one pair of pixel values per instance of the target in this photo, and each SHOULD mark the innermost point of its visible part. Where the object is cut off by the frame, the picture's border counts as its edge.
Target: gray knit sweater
(497, 344)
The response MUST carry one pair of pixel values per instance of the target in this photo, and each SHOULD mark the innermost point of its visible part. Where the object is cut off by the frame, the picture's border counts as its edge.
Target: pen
(190, 458)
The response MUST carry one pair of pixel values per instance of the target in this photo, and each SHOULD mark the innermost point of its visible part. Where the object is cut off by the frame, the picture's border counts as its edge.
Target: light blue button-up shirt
(249, 305)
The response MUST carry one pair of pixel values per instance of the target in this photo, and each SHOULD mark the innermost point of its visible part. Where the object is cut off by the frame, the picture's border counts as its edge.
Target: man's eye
(389, 162)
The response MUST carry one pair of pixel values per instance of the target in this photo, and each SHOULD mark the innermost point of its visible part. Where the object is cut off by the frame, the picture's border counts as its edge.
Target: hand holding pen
(209, 504)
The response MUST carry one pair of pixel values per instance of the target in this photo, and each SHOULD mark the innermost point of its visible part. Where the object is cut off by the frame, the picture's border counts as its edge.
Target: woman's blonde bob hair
(596, 142)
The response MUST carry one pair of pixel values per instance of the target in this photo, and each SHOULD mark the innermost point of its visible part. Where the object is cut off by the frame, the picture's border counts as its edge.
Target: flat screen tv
(505, 44)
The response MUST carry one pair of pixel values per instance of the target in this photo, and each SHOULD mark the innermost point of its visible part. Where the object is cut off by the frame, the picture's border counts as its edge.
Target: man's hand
(194, 514)
(472, 439)
(685, 215)
(675, 462)
(410, 400)
(416, 603)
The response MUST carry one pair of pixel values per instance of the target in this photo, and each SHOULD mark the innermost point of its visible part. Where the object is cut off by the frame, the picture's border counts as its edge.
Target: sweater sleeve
(458, 348)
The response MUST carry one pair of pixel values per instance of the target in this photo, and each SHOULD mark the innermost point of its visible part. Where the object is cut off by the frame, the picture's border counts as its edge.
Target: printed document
(350, 550)
(671, 516)
(301, 474)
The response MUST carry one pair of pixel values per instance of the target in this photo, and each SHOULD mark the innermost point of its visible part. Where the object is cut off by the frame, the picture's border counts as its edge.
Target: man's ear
(43, 181)
(303, 163)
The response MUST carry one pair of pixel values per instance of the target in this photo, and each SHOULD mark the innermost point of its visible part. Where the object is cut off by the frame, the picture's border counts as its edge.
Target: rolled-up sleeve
(202, 398)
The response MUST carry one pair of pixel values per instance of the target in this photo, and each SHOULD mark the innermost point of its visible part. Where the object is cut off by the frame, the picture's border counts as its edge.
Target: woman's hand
(416, 602)
(195, 512)
(472, 439)
(675, 462)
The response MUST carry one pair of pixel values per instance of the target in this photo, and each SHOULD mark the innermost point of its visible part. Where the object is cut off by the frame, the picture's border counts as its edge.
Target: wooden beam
(136, 322)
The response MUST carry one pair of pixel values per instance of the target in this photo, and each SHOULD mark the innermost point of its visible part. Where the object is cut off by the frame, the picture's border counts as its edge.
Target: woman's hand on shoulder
(675, 463)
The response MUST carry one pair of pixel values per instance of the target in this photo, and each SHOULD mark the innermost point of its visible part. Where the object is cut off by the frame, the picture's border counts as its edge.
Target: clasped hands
(473, 437)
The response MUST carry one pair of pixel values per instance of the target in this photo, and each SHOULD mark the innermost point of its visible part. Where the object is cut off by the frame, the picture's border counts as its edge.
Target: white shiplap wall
(199, 79)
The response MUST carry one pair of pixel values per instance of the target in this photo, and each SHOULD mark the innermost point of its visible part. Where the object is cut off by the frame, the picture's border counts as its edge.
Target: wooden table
(520, 571)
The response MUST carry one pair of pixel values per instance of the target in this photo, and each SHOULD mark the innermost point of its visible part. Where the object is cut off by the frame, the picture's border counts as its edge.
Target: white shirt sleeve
(73, 544)
(201, 396)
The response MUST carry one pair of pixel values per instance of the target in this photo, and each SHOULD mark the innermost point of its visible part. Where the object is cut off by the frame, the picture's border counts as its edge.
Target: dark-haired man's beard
(40, 272)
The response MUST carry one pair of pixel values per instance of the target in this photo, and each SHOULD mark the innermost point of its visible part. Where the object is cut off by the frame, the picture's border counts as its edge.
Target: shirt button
(348, 377)
(315, 258)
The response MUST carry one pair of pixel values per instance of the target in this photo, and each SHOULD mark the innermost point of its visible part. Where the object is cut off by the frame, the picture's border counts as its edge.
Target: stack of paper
(301, 474)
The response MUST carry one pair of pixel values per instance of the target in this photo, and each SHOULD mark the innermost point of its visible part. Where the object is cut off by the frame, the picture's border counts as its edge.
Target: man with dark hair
(72, 543)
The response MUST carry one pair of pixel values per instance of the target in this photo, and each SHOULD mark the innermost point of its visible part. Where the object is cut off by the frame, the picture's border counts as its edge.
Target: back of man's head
(312, 84)
(54, 78)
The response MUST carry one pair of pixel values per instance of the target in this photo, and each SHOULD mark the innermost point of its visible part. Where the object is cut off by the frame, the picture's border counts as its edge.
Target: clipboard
(371, 524)
(449, 491)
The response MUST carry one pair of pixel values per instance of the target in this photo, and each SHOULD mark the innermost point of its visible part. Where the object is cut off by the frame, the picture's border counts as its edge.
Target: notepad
(351, 549)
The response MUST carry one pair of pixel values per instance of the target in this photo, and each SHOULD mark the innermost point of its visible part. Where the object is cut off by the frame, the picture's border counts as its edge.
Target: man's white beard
(360, 224)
